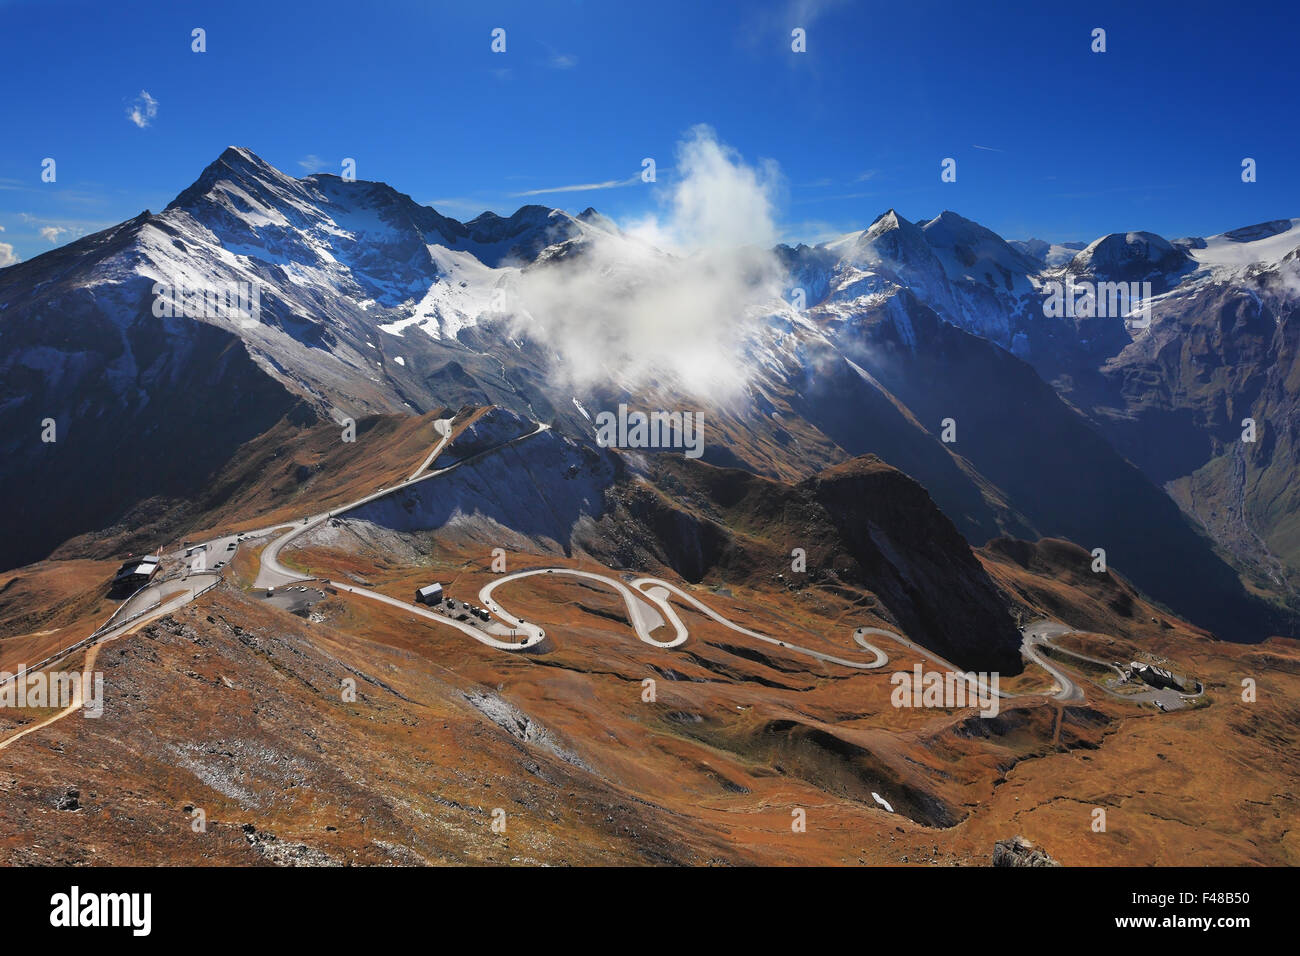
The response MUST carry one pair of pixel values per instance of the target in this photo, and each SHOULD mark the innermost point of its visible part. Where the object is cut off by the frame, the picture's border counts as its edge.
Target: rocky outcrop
(862, 526)
(915, 560)
(1020, 852)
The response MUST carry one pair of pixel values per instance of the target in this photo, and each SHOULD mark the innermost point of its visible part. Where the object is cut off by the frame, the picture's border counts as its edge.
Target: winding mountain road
(659, 588)
(658, 591)
(639, 596)
(477, 633)
(1038, 633)
(273, 574)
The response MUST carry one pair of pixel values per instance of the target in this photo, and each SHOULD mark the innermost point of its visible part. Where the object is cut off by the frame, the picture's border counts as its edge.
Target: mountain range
(925, 344)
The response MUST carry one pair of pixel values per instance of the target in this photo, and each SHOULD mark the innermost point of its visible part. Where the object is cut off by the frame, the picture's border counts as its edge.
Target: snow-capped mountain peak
(1266, 243)
(970, 252)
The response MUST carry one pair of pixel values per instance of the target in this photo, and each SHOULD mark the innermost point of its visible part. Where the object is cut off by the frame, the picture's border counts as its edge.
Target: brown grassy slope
(232, 706)
(1205, 786)
(1168, 782)
(1055, 578)
(49, 605)
(236, 709)
(299, 466)
(291, 469)
(768, 720)
(1213, 785)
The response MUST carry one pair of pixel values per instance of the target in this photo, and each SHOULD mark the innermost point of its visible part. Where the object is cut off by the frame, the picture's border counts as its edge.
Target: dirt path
(91, 654)
(87, 673)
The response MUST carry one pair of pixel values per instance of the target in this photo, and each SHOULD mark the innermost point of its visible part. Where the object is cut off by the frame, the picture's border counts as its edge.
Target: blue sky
(1051, 139)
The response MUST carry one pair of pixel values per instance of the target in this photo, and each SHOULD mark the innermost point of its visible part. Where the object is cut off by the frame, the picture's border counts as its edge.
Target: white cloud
(581, 187)
(718, 202)
(459, 204)
(562, 61)
(669, 301)
(803, 13)
(142, 109)
(813, 231)
(53, 228)
(7, 255)
(780, 19)
(312, 163)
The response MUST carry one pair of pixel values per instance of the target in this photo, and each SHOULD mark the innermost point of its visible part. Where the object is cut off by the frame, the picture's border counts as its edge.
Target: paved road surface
(657, 584)
(1039, 633)
(273, 574)
(147, 605)
(658, 592)
(201, 561)
(634, 609)
(535, 634)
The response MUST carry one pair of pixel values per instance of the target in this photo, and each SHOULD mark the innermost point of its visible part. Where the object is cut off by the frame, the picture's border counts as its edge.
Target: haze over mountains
(1127, 439)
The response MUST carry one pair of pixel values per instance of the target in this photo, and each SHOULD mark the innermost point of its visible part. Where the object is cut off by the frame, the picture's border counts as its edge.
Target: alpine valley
(910, 444)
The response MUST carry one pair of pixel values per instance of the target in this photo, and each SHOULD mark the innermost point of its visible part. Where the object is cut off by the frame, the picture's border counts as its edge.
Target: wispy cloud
(52, 229)
(991, 149)
(7, 255)
(79, 197)
(812, 232)
(867, 174)
(142, 109)
(312, 163)
(459, 204)
(779, 20)
(805, 12)
(581, 187)
(557, 60)
(835, 198)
